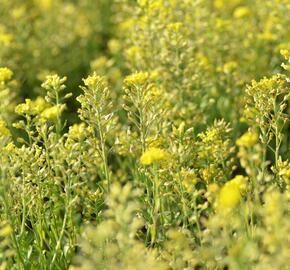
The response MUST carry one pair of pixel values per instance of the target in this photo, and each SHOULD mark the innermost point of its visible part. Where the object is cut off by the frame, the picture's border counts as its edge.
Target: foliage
(173, 153)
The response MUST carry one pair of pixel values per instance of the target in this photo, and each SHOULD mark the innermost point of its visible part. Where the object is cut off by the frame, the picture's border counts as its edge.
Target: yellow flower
(175, 27)
(230, 67)
(218, 4)
(77, 131)
(241, 12)
(5, 230)
(5, 74)
(4, 131)
(153, 155)
(54, 82)
(93, 80)
(133, 52)
(24, 108)
(39, 104)
(231, 193)
(32, 107)
(248, 139)
(45, 5)
(285, 53)
(240, 181)
(53, 113)
(267, 35)
(18, 12)
(5, 37)
(137, 78)
(114, 46)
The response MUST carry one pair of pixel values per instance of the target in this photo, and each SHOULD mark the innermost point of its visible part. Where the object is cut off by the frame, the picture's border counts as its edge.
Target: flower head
(77, 131)
(231, 193)
(4, 131)
(248, 139)
(241, 12)
(93, 80)
(53, 112)
(54, 82)
(5, 74)
(153, 155)
(138, 78)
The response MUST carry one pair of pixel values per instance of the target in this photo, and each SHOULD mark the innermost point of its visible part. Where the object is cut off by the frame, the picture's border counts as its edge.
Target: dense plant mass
(144, 134)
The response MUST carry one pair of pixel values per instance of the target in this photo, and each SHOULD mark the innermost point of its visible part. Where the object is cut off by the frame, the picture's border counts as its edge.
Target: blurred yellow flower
(241, 12)
(53, 113)
(248, 139)
(5, 74)
(231, 193)
(137, 78)
(4, 131)
(77, 131)
(154, 154)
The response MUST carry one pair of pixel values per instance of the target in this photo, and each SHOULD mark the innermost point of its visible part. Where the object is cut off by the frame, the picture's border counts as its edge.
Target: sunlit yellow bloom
(114, 46)
(138, 78)
(5, 37)
(230, 67)
(241, 12)
(32, 107)
(92, 80)
(24, 108)
(267, 35)
(44, 4)
(5, 74)
(4, 131)
(5, 231)
(153, 155)
(53, 113)
(77, 131)
(39, 104)
(285, 53)
(231, 193)
(18, 12)
(248, 139)
(53, 82)
(174, 26)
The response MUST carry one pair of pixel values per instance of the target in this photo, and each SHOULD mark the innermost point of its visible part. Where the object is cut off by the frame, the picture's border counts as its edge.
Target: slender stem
(58, 244)
(103, 151)
(58, 123)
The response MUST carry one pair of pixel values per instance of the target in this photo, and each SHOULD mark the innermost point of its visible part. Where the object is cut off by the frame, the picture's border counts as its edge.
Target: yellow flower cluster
(241, 12)
(4, 131)
(154, 155)
(45, 5)
(53, 113)
(248, 139)
(231, 193)
(54, 82)
(5, 37)
(285, 53)
(32, 107)
(24, 108)
(138, 78)
(77, 131)
(92, 80)
(5, 74)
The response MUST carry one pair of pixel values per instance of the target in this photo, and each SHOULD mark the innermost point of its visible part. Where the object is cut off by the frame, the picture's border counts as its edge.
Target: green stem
(103, 152)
